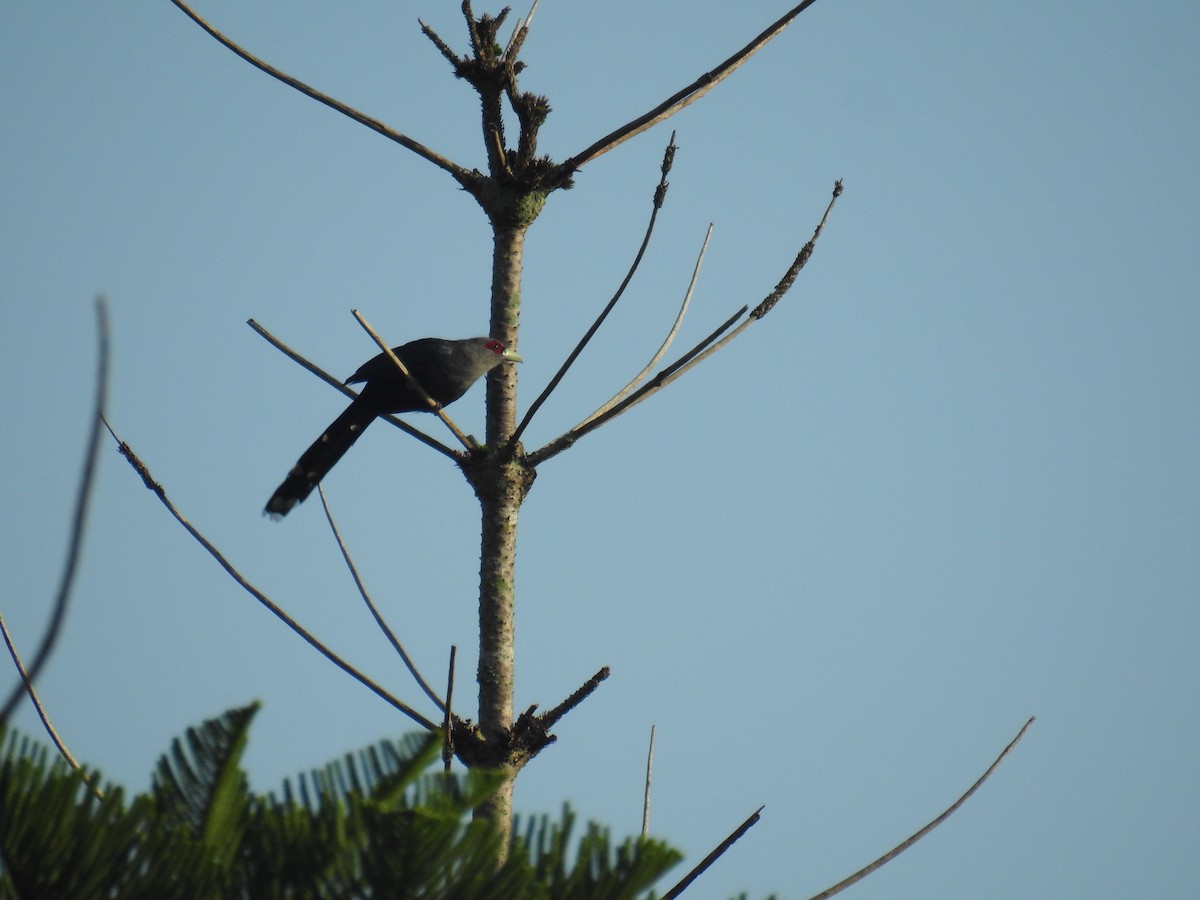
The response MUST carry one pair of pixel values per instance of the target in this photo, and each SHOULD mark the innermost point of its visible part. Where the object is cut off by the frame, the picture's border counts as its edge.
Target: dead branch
(667, 341)
(685, 97)
(463, 176)
(83, 498)
(520, 33)
(563, 441)
(379, 620)
(434, 407)
(448, 717)
(904, 845)
(646, 795)
(694, 356)
(714, 856)
(550, 718)
(41, 711)
(660, 195)
(148, 480)
(785, 284)
(348, 391)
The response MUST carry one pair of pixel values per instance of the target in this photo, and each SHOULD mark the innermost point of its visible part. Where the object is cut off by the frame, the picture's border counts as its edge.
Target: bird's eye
(495, 346)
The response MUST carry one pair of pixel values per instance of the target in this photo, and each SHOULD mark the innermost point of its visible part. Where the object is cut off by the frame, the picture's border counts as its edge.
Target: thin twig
(646, 797)
(459, 173)
(785, 283)
(712, 857)
(41, 711)
(448, 718)
(697, 354)
(688, 95)
(379, 620)
(667, 341)
(434, 406)
(660, 194)
(904, 845)
(149, 482)
(349, 392)
(83, 498)
(768, 303)
(563, 441)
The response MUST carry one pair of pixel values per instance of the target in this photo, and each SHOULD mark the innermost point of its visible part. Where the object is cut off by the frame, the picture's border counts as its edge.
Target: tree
(374, 823)
(512, 193)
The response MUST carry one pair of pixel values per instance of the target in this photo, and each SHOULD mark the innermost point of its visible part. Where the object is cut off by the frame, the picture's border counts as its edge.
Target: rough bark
(501, 486)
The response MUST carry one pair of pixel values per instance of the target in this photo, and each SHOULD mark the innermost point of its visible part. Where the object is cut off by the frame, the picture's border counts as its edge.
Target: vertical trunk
(500, 491)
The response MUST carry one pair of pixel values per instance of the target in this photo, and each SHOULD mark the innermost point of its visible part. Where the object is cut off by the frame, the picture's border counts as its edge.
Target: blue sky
(948, 484)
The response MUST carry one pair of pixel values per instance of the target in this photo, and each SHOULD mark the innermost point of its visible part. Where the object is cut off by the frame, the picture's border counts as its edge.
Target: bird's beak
(512, 356)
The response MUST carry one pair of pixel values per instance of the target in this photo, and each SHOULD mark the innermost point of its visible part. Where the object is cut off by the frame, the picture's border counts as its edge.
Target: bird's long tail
(315, 463)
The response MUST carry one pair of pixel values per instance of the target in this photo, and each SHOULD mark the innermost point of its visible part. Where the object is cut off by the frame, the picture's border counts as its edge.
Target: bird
(445, 369)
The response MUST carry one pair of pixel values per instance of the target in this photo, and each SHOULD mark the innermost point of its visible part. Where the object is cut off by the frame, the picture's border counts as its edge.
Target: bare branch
(472, 27)
(443, 48)
(549, 718)
(463, 176)
(149, 482)
(768, 303)
(434, 407)
(714, 856)
(362, 590)
(448, 718)
(562, 442)
(83, 498)
(520, 33)
(685, 97)
(41, 711)
(785, 283)
(667, 341)
(904, 845)
(660, 194)
(696, 355)
(349, 392)
(646, 797)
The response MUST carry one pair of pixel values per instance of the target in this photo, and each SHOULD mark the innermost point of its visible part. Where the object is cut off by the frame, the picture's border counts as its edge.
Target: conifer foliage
(377, 823)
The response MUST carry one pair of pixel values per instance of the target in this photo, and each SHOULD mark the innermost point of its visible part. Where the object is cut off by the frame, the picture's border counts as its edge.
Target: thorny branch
(551, 717)
(527, 736)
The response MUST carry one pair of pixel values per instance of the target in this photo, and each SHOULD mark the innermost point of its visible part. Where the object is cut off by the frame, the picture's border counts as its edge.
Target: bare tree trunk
(501, 487)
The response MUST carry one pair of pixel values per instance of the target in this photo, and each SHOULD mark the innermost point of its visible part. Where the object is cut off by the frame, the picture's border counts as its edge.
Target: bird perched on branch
(445, 369)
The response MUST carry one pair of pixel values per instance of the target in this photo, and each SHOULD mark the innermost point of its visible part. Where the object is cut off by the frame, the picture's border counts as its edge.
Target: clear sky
(950, 483)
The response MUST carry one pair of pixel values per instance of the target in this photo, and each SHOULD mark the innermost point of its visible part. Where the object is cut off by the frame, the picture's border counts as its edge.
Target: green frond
(200, 783)
(594, 868)
(377, 823)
